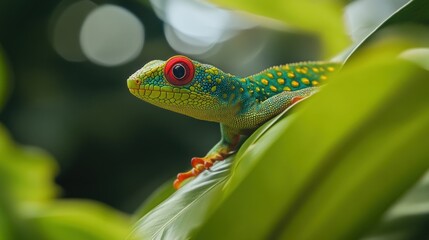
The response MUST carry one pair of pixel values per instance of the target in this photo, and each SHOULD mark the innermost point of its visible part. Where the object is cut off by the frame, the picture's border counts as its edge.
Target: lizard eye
(179, 70)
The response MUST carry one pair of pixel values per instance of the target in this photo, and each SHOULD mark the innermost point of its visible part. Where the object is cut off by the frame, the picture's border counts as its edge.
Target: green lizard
(240, 105)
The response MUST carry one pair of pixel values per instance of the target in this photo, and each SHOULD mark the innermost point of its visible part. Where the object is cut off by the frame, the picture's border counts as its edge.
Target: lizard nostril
(134, 83)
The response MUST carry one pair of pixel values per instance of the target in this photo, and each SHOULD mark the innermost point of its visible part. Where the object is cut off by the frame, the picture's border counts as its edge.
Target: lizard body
(240, 105)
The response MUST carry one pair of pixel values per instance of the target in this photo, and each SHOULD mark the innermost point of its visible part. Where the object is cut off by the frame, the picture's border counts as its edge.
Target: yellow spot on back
(291, 74)
(331, 69)
(218, 80)
(270, 75)
(304, 70)
(295, 83)
(274, 89)
(286, 89)
(286, 67)
(279, 74)
(281, 81)
(241, 90)
(213, 89)
(323, 77)
(264, 81)
(305, 81)
(257, 89)
(243, 80)
(316, 70)
(192, 88)
(298, 70)
(225, 95)
(315, 83)
(232, 87)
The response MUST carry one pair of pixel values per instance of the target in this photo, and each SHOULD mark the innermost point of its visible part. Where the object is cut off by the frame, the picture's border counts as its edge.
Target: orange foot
(199, 165)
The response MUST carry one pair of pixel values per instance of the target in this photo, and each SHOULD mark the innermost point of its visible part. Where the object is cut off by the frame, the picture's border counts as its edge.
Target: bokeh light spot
(67, 23)
(204, 22)
(184, 43)
(196, 27)
(111, 35)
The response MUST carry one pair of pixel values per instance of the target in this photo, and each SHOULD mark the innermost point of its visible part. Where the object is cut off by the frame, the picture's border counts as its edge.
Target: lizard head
(188, 87)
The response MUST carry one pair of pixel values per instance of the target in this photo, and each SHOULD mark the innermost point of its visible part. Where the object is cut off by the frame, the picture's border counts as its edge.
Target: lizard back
(288, 77)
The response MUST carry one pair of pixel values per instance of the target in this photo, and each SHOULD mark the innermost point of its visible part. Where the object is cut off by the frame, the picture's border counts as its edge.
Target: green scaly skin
(240, 105)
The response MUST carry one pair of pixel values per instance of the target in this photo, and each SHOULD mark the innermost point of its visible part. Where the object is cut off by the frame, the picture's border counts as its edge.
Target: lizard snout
(133, 83)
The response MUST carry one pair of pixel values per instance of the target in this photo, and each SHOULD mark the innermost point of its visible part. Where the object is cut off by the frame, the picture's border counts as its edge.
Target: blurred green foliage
(323, 18)
(28, 206)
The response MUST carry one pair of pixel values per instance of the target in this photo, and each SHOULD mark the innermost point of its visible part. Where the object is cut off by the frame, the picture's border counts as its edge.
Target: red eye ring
(179, 70)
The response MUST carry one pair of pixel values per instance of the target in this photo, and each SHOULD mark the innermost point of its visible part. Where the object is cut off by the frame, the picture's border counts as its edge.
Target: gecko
(239, 104)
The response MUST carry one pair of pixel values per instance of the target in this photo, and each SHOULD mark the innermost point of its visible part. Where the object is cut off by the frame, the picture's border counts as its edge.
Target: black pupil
(179, 71)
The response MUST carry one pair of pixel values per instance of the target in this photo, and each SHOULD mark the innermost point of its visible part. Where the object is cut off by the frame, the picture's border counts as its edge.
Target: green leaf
(323, 18)
(408, 218)
(415, 11)
(157, 197)
(185, 210)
